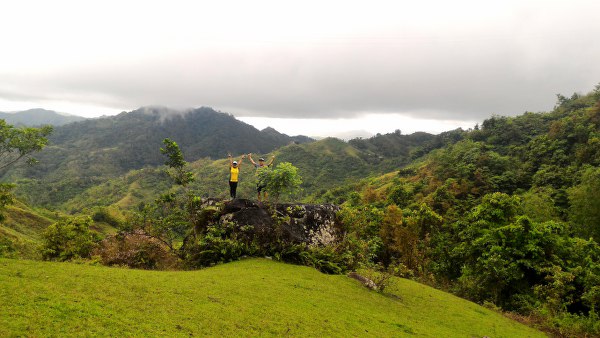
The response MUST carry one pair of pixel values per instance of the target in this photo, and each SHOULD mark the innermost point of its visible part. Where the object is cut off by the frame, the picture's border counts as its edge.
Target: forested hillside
(87, 153)
(509, 214)
(323, 166)
(394, 144)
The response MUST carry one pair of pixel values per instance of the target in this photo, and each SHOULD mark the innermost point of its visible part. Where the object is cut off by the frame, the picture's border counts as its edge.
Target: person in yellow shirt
(234, 173)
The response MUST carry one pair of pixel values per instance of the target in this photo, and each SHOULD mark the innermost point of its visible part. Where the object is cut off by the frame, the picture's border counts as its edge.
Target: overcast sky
(303, 67)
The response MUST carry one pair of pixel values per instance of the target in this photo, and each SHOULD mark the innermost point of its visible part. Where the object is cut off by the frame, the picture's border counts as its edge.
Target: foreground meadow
(253, 297)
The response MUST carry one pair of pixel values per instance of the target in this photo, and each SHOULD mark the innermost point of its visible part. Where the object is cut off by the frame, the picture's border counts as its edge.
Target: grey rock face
(312, 224)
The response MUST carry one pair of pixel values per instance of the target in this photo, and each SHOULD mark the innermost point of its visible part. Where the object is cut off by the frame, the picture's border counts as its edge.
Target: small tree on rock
(284, 179)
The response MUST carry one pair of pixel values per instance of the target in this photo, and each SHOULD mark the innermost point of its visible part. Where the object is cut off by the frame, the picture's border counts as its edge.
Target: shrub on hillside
(6, 246)
(136, 250)
(68, 238)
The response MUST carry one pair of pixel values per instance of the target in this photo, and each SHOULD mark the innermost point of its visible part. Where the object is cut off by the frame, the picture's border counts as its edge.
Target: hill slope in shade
(251, 297)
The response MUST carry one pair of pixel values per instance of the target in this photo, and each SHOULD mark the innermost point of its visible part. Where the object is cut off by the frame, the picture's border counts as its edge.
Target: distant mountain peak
(270, 130)
(39, 116)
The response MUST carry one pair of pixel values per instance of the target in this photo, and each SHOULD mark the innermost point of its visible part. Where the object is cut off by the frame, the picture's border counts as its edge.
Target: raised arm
(251, 160)
(230, 159)
(271, 161)
(240, 161)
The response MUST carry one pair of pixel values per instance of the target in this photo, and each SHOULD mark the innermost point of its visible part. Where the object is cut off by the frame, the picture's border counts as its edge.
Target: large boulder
(312, 224)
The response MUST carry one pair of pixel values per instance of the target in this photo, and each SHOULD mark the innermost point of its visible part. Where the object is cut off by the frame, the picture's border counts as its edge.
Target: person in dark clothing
(261, 165)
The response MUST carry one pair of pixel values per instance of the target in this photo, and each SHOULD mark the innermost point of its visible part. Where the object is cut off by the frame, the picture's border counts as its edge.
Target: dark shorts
(260, 187)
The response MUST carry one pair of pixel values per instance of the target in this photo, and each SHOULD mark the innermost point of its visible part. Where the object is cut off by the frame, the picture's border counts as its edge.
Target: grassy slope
(246, 298)
(20, 231)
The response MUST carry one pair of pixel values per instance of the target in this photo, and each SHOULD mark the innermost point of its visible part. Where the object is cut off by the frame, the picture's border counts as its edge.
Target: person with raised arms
(261, 185)
(234, 173)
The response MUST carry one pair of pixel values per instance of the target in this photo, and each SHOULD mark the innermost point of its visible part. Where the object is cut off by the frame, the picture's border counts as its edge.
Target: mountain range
(98, 151)
(131, 140)
(86, 152)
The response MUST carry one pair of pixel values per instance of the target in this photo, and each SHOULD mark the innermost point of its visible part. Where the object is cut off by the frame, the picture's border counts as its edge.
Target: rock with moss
(312, 224)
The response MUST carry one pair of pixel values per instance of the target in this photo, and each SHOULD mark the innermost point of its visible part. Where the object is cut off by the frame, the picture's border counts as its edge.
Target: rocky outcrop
(364, 280)
(312, 224)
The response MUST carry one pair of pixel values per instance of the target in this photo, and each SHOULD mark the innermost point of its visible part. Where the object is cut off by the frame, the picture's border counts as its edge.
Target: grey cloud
(428, 82)
(462, 78)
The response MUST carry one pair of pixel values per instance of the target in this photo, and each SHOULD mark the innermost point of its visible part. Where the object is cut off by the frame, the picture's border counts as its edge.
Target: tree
(585, 204)
(20, 143)
(283, 179)
(171, 215)
(176, 162)
(538, 204)
(400, 195)
(17, 144)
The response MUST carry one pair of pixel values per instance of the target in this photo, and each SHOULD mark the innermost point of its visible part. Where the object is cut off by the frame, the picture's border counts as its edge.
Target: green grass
(254, 297)
(20, 231)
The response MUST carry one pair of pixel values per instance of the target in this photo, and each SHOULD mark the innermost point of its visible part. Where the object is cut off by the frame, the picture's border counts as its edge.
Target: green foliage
(166, 219)
(20, 143)
(585, 204)
(395, 145)
(283, 179)
(17, 144)
(503, 214)
(6, 197)
(539, 205)
(172, 215)
(221, 243)
(7, 247)
(176, 163)
(400, 195)
(68, 239)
